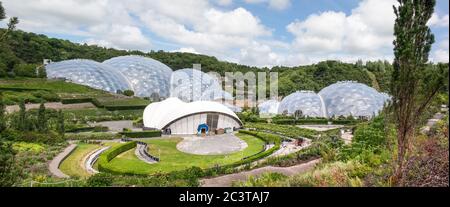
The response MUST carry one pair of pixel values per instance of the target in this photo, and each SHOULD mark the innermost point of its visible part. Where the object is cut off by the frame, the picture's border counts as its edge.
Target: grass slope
(72, 165)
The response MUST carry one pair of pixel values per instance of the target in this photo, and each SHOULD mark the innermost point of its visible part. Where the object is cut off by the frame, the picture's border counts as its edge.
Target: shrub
(128, 93)
(289, 131)
(125, 107)
(100, 180)
(143, 134)
(91, 136)
(46, 95)
(25, 70)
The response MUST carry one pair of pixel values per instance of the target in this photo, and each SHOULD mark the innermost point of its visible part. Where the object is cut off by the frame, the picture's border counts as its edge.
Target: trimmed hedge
(118, 108)
(91, 136)
(300, 121)
(268, 138)
(110, 154)
(97, 103)
(143, 134)
(88, 129)
(16, 89)
(76, 100)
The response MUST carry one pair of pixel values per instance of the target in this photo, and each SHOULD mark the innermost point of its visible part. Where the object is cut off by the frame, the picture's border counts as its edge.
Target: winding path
(90, 160)
(142, 155)
(227, 180)
(56, 162)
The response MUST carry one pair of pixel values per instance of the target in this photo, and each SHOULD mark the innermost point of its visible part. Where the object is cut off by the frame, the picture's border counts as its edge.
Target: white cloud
(224, 2)
(102, 22)
(438, 21)
(274, 4)
(441, 54)
(187, 50)
(367, 30)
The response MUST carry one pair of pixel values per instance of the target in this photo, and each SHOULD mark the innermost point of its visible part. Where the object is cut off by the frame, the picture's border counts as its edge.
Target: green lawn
(97, 114)
(35, 90)
(173, 160)
(73, 165)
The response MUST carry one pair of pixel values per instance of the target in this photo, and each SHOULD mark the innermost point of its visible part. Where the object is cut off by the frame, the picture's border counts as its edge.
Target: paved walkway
(50, 105)
(140, 153)
(431, 122)
(54, 164)
(211, 145)
(227, 180)
(92, 158)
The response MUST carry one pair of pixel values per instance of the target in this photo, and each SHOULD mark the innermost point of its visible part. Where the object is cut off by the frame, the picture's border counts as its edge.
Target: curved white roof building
(184, 118)
(145, 75)
(308, 102)
(89, 73)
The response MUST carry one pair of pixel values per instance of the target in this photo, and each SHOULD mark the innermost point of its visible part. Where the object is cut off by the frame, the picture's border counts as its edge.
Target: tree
(2, 114)
(411, 90)
(42, 124)
(8, 168)
(13, 21)
(2, 12)
(128, 93)
(60, 123)
(22, 119)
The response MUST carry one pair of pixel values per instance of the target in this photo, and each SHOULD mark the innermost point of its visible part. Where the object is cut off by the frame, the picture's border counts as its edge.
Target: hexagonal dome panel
(269, 107)
(194, 85)
(308, 102)
(145, 75)
(89, 73)
(351, 98)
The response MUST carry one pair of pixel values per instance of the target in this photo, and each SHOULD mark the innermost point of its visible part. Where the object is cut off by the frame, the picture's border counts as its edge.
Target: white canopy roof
(158, 115)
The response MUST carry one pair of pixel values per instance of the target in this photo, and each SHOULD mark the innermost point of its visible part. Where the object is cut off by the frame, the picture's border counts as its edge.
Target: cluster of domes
(145, 76)
(346, 98)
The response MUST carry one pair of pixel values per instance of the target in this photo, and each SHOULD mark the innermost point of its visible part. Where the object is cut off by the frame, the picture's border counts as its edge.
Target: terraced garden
(174, 160)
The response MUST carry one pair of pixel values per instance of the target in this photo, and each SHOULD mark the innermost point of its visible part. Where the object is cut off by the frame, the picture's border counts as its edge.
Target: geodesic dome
(194, 85)
(89, 73)
(351, 98)
(308, 102)
(145, 75)
(235, 109)
(269, 107)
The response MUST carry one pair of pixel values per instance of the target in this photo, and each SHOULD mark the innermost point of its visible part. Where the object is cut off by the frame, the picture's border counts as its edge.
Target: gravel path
(227, 180)
(51, 105)
(54, 164)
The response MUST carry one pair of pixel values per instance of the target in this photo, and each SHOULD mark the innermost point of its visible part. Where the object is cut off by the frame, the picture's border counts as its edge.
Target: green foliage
(25, 70)
(289, 131)
(143, 134)
(265, 180)
(42, 121)
(128, 93)
(100, 180)
(9, 173)
(2, 114)
(266, 137)
(91, 136)
(2, 12)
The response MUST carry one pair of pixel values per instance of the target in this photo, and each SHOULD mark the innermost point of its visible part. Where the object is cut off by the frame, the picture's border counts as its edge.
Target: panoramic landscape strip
(83, 114)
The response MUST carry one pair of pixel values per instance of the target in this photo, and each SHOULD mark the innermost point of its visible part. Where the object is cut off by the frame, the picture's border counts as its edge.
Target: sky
(262, 33)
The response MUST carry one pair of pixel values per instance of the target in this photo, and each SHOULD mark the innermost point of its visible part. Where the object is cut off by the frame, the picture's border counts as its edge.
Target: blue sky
(251, 32)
